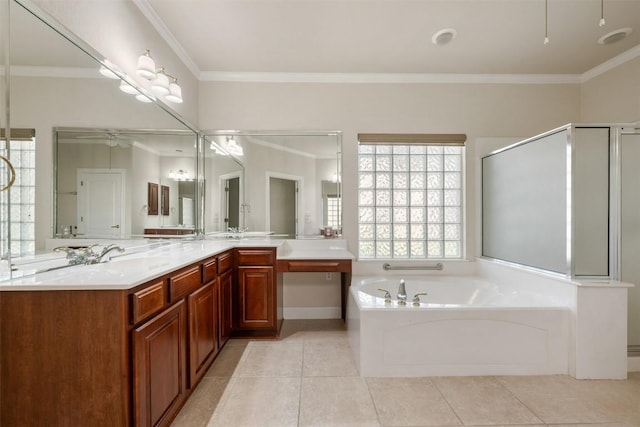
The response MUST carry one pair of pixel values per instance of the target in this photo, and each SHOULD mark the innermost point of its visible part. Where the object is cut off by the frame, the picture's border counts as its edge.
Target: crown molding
(612, 63)
(216, 76)
(157, 23)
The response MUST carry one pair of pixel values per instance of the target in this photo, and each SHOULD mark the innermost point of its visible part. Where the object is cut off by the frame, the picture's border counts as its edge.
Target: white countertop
(137, 265)
(314, 249)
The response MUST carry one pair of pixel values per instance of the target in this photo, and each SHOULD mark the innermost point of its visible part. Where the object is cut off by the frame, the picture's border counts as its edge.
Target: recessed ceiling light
(615, 36)
(442, 37)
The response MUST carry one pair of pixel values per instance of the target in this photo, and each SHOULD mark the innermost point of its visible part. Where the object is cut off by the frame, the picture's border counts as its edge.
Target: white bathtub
(464, 326)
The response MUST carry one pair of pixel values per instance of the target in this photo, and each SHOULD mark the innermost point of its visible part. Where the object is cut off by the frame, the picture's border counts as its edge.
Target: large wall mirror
(80, 129)
(292, 181)
(224, 189)
(103, 177)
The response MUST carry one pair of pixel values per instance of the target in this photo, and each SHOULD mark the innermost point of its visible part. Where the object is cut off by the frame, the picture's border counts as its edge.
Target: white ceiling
(392, 36)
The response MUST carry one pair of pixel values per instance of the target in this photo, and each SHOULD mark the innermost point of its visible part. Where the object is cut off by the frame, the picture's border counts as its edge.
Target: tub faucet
(402, 293)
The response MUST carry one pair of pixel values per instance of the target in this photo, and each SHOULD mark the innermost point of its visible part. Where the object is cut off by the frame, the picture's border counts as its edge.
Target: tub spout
(402, 293)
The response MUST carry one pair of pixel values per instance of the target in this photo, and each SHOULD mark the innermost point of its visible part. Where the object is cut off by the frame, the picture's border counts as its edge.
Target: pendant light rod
(546, 17)
(601, 13)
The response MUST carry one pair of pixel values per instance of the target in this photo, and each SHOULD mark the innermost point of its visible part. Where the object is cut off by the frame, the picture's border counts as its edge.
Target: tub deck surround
(501, 321)
(318, 255)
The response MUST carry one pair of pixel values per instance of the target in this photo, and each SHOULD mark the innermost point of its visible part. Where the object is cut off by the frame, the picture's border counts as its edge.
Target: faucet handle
(416, 298)
(387, 295)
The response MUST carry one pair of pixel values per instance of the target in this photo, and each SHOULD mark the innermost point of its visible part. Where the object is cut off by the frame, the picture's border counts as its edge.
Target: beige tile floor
(308, 378)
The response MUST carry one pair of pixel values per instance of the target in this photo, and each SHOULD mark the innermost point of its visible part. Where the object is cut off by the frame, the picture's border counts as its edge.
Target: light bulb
(602, 22)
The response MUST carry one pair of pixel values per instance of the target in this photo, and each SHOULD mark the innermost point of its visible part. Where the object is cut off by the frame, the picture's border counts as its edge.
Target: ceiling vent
(614, 36)
(442, 37)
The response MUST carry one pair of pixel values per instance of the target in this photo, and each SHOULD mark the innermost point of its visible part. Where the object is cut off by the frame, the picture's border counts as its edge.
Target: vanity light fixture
(175, 92)
(146, 66)
(160, 85)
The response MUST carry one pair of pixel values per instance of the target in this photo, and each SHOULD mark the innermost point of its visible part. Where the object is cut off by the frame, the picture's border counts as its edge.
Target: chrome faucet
(97, 258)
(85, 254)
(402, 294)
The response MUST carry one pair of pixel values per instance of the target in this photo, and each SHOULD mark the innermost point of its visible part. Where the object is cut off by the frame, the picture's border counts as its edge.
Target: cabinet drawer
(147, 301)
(209, 270)
(184, 283)
(255, 256)
(225, 262)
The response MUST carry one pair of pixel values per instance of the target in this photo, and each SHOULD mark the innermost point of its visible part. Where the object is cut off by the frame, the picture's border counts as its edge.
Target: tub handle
(416, 298)
(387, 295)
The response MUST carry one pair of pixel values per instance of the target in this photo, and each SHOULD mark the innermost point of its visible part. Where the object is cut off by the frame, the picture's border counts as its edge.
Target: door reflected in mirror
(119, 183)
(292, 183)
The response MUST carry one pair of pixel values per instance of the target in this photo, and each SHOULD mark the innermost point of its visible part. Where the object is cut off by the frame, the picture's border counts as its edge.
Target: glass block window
(410, 201)
(20, 203)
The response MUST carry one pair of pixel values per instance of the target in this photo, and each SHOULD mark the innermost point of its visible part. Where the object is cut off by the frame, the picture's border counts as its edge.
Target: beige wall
(613, 96)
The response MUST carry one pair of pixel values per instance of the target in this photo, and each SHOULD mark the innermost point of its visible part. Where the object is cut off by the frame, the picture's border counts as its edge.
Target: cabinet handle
(115, 226)
(13, 174)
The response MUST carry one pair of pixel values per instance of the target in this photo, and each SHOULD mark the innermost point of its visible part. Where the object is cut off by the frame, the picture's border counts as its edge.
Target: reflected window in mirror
(331, 203)
(20, 204)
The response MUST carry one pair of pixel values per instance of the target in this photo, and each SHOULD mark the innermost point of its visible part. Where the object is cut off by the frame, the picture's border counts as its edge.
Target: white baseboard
(312, 313)
(633, 364)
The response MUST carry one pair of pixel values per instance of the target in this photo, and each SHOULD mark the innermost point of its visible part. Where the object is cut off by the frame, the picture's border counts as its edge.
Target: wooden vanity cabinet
(257, 308)
(159, 367)
(129, 357)
(225, 295)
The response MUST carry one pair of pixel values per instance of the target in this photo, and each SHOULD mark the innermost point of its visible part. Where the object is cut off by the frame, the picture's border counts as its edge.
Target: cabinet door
(256, 297)
(159, 366)
(203, 330)
(225, 281)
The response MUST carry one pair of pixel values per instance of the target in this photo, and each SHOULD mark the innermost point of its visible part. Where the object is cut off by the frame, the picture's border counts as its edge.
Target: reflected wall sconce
(109, 70)
(233, 148)
(180, 175)
(216, 150)
(127, 88)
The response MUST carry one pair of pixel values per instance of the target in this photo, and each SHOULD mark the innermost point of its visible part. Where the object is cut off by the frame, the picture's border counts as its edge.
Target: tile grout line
(506, 387)
(373, 401)
(447, 401)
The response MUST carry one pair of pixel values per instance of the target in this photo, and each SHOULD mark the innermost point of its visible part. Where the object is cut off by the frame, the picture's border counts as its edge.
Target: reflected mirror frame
(335, 133)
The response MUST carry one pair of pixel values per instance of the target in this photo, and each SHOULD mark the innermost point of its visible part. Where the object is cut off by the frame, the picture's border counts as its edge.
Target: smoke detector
(442, 37)
(615, 36)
